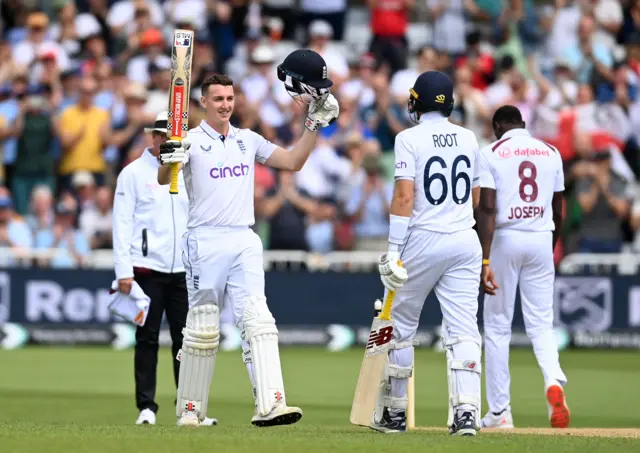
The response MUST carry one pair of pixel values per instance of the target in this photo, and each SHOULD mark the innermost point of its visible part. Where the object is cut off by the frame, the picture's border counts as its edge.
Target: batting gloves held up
(322, 113)
(392, 274)
(174, 151)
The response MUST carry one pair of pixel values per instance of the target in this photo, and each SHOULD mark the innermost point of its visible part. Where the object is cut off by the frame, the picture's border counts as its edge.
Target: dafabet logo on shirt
(224, 172)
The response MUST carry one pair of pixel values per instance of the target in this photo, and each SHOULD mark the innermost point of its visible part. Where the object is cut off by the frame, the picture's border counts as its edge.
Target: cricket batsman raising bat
(221, 254)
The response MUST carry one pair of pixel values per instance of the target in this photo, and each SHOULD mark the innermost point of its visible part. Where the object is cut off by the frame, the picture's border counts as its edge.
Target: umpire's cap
(305, 66)
(432, 92)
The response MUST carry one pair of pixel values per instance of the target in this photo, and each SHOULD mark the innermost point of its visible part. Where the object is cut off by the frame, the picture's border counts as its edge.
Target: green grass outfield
(81, 400)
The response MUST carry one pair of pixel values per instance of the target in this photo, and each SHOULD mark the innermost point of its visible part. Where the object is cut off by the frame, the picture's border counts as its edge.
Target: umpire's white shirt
(148, 222)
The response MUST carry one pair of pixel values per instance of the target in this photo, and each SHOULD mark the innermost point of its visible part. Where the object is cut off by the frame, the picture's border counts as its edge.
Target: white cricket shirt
(219, 175)
(525, 172)
(148, 222)
(441, 159)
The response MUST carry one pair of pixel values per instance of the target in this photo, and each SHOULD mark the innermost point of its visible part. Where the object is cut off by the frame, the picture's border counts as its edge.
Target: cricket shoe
(189, 418)
(146, 417)
(503, 420)
(391, 422)
(559, 415)
(464, 424)
(279, 415)
(209, 422)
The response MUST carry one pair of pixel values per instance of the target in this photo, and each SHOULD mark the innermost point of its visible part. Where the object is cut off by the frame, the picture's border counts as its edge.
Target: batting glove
(393, 275)
(322, 113)
(174, 151)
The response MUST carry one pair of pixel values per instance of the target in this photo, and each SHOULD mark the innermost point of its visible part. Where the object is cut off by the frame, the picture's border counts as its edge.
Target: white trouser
(224, 266)
(450, 265)
(524, 258)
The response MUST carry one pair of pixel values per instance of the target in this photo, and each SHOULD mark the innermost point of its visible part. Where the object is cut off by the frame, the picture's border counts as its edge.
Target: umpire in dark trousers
(148, 224)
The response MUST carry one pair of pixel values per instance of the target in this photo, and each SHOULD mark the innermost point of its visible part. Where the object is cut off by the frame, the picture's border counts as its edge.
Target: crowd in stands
(79, 81)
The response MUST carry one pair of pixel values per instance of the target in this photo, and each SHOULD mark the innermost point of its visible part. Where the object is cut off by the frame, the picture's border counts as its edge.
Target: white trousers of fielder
(525, 259)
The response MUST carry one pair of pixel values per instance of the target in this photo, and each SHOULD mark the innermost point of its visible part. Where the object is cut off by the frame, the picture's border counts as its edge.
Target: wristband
(398, 226)
(485, 262)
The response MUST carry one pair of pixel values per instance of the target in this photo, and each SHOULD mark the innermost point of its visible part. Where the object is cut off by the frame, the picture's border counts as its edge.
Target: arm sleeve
(124, 205)
(405, 160)
(264, 148)
(483, 176)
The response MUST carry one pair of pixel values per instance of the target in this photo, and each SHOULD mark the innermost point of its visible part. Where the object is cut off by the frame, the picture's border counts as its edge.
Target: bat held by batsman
(174, 152)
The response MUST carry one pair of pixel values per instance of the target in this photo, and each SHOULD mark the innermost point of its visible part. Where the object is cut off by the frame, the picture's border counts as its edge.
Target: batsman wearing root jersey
(431, 233)
(221, 254)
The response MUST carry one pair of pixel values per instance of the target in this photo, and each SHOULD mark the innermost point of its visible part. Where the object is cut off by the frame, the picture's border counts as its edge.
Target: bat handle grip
(388, 302)
(175, 170)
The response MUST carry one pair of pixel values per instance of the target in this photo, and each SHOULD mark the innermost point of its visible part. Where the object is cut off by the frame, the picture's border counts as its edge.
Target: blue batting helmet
(431, 92)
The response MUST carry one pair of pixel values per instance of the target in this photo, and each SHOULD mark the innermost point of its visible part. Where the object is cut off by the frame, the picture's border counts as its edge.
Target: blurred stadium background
(79, 80)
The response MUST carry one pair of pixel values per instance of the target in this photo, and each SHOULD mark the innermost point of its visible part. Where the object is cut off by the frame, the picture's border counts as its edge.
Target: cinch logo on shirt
(401, 164)
(221, 172)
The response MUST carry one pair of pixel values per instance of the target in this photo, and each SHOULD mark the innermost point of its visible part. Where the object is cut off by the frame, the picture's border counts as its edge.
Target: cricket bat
(179, 93)
(373, 364)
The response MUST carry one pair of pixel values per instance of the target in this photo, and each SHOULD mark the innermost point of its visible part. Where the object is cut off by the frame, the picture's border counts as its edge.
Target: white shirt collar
(432, 117)
(516, 133)
(211, 132)
(148, 155)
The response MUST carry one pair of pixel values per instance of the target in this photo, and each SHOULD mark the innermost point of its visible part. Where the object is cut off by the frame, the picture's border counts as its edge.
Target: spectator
(605, 200)
(66, 246)
(152, 44)
(14, 234)
(96, 221)
(449, 26)
(389, 20)
(320, 34)
(36, 130)
(265, 94)
(427, 60)
(368, 207)
(386, 117)
(333, 12)
(84, 132)
(9, 110)
(84, 190)
(470, 108)
(26, 51)
(590, 60)
(286, 211)
(41, 215)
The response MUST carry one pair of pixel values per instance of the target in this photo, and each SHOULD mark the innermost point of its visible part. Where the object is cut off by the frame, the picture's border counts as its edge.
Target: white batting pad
(201, 337)
(463, 373)
(259, 330)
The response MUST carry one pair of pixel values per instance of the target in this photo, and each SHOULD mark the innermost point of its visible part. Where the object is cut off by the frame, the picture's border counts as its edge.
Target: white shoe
(189, 418)
(502, 421)
(209, 422)
(146, 417)
(559, 415)
(279, 415)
